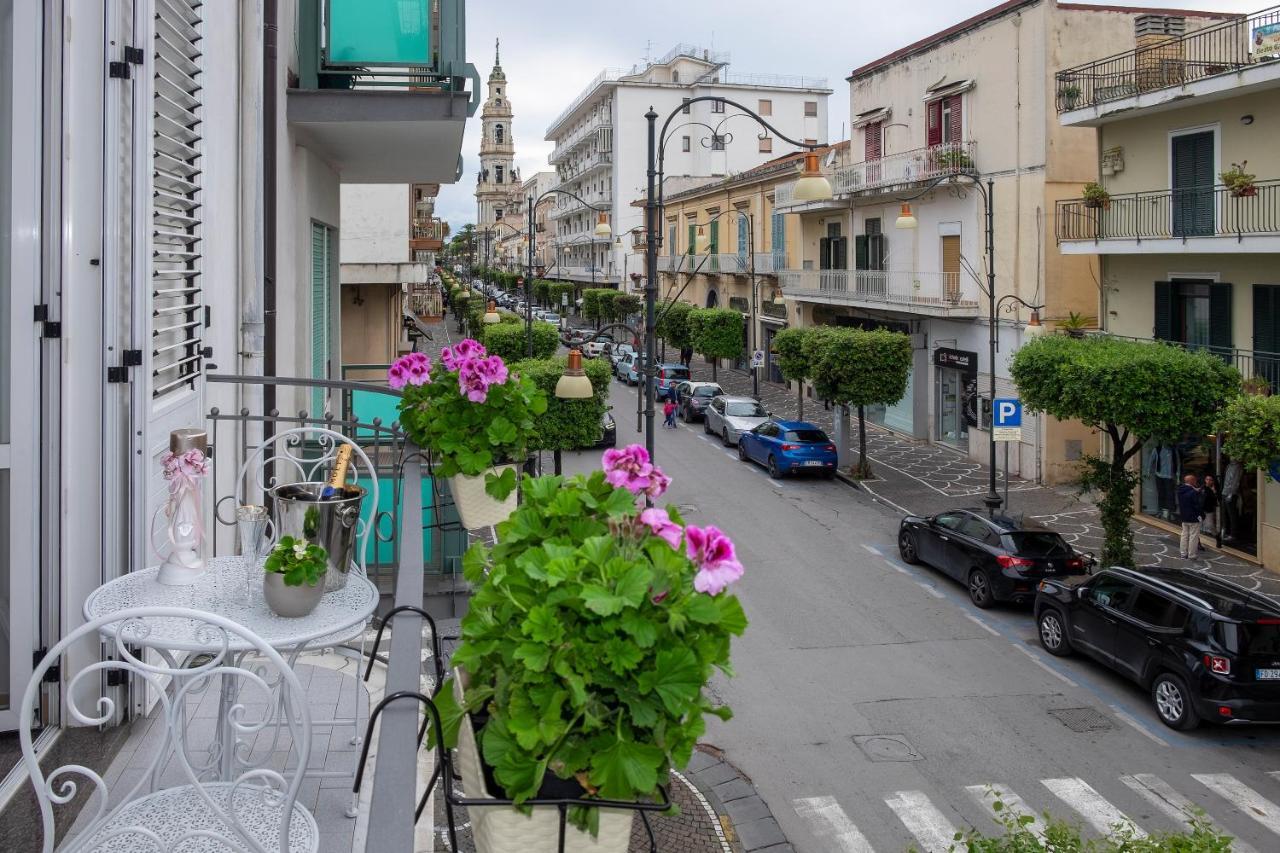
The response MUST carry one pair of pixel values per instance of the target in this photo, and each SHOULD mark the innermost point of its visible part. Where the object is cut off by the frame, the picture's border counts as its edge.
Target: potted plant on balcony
(1238, 181)
(1069, 96)
(594, 626)
(1095, 196)
(476, 417)
(1075, 324)
(293, 575)
(954, 159)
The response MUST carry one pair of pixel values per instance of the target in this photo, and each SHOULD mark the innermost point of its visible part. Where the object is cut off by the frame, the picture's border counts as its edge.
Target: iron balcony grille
(1210, 211)
(1164, 62)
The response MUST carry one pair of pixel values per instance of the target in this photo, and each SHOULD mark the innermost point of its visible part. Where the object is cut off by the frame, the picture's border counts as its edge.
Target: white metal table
(337, 616)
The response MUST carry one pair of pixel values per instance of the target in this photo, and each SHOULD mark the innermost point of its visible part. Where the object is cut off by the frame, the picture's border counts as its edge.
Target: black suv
(1207, 649)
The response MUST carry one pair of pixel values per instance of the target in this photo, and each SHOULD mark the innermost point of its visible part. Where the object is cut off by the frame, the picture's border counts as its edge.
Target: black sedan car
(997, 559)
(1204, 648)
(608, 432)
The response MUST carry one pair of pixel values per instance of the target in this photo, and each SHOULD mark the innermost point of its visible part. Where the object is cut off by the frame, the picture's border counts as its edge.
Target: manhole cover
(887, 748)
(1082, 719)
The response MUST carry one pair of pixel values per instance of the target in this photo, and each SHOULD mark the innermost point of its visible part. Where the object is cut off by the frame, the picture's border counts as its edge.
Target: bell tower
(498, 183)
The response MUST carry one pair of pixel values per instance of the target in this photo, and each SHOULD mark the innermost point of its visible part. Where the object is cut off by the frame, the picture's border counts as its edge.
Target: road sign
(757, 358)
(1007, 419)
(564, 299)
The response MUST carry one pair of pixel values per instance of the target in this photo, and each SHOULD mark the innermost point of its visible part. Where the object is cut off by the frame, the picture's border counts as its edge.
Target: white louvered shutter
(177, 307)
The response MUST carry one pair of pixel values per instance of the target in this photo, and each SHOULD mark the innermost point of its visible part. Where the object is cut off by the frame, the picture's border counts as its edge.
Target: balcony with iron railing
(1252, 364)
(891, 173)
(1210, 218)
(584, 133)
(943, 294)
(584, 165)
(1227, 55)
(567, 206)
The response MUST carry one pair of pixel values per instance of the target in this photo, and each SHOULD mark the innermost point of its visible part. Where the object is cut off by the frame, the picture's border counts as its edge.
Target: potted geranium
(594, 627)
(476, 417)
(1238, 181)
(1095, 196)
(293, 575)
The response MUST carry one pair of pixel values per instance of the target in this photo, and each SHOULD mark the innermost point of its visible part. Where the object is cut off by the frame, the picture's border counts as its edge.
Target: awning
(872, 116)
(945, 89)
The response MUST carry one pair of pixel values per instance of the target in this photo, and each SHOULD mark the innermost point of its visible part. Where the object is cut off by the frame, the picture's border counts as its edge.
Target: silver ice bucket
(331, 524)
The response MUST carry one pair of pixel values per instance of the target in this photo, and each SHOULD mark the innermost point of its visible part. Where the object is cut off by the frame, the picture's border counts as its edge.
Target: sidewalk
(922, 479)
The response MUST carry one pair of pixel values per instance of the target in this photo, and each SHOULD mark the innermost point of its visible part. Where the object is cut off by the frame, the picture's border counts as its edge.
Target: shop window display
(1165, 463)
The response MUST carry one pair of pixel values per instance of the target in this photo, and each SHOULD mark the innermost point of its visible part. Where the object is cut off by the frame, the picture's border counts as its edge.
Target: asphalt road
(874, 705)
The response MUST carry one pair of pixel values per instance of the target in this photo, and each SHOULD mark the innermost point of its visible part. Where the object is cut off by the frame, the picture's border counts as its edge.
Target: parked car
(617, 353)
(577, 336)
(630, 367)
(550, 317)
(729, 417)
(670, 375)
(787, 447)
(692, 398)
(997, 559)
(608, 432)
(1207, 649)
(594, 349)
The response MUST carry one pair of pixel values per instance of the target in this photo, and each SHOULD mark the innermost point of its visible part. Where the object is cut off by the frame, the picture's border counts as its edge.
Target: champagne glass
(252, 523)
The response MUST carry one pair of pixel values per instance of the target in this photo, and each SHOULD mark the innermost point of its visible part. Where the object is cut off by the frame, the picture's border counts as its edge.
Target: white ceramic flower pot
(475, 507)
(501, 829)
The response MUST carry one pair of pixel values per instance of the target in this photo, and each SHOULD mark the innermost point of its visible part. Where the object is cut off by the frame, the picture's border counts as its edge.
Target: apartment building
(1187, 114)
(166, 216)
(723, 245)
(970, 104)
(602, 136)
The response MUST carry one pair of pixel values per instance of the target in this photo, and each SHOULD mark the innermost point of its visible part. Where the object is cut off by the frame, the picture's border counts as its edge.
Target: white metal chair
(244, 812)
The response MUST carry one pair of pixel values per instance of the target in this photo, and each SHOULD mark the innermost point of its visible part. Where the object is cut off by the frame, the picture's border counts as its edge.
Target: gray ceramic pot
(290, 601)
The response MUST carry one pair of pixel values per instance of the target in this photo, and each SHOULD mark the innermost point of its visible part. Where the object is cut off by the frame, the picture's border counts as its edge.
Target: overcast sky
(551, 50)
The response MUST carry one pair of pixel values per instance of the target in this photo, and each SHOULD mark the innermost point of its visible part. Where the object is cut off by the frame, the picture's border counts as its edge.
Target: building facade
(972, 101)
(1183, 256)
(498, 181)
(166, 216)
(601, 136)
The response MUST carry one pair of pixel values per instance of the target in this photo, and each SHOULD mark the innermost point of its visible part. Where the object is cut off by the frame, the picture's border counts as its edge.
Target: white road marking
(929, 588)
(992, 631)
(873, 549)
(1035, 659)
(930, 826)
(896, 567)
(1142, 730)
(829, 821)
(1092, 806)
(986, 795)
(1176, 807)
(1242, 797)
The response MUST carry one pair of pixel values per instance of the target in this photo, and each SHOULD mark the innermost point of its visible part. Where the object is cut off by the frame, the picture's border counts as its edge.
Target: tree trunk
(864, 467)
(714, 363)
(800, 400)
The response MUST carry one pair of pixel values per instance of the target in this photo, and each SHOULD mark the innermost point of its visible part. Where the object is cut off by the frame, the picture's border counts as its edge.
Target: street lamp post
(907, 220)
(811, 186)
(754, 322)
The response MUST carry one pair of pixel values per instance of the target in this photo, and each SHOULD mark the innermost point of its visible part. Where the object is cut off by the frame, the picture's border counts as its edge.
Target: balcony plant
(594, 627)
(1238, 181)
(954, 159)
(293, 574)
(1069, 96)
(1075, 324)
(476, 417)
(1095, 196)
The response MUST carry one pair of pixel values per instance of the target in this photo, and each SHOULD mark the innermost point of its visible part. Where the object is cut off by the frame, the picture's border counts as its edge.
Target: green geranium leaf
(451, 714)
(622, 655)
(641, 629)
(501, 432)
(633, 586)
(675, 678)
(732, 618)
(542, 626)
(500, 486)
(619, 502)
(624, 769)
(600, 600)
(533, 655)
(702, 609)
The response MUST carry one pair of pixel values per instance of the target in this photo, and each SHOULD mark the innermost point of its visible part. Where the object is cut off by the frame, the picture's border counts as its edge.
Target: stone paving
(922, 478)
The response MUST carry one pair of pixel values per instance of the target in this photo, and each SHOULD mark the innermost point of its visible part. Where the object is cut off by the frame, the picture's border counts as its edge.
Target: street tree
(1134, 393)
(716, 333)
(1250, 430)
(567, 424)
(626, 305)
(793, 361)
(594, 304)
(673, 324)
(860, 368)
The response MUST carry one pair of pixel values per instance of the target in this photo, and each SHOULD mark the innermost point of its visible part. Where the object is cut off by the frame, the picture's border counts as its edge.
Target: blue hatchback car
(789, 447)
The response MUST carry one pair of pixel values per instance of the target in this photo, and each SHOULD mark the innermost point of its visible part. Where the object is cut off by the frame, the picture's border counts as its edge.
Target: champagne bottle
(337, 479)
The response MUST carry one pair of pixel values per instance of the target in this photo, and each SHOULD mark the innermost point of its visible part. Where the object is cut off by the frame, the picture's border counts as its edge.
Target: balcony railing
(569, 171)
(1174, 214)
(1251, 363)
(604, 76)
(576, 137)
(906, 167)
(567, 206)
(1222, 48)
(930, 292)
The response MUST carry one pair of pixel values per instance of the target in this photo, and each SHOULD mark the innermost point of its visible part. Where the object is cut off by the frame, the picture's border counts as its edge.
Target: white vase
(475, 507)
(502, 829)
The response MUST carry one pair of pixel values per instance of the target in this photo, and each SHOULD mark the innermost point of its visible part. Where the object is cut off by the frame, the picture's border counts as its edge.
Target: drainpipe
(249, 286)
(270, 97)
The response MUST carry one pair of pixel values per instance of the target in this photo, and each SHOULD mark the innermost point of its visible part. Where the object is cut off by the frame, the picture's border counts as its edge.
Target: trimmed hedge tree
(1134, 392)
(508, 340)
(1250, 428)
(567, 424)
(792, 358)
(716, 333)
(673, 324)
(860, 368)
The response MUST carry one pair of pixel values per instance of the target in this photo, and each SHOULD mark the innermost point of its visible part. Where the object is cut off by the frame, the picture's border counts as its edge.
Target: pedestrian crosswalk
(927, 826)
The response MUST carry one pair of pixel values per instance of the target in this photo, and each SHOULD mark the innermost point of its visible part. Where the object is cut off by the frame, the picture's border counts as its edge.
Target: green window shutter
(1266, 333)
(860, 255)
(715, 237)
(319, 312)
(1163, 330)
(779, 241)
(1220, 337)
(693, 239)
(743, 242)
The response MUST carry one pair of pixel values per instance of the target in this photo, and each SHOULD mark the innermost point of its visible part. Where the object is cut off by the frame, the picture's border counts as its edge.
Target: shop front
(1166, 462)
(956, 395)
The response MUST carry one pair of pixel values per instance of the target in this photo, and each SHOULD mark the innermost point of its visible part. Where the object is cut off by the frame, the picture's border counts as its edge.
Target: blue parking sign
(1007, 413)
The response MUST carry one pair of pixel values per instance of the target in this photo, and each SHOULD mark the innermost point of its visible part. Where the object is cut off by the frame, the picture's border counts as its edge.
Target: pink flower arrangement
(713, 553)
(630, 468)
(661, 525)
(476, 369)
(186, 466)
(410, 369)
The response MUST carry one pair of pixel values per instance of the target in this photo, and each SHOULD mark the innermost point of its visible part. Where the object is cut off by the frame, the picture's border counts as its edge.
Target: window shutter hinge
(48, 328)
(120, 70)
(132, 358)
(117, 374)
(53, 674)
(133, 55)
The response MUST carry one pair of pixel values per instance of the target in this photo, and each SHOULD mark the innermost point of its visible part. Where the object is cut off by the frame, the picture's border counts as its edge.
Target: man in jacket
(1190, 513)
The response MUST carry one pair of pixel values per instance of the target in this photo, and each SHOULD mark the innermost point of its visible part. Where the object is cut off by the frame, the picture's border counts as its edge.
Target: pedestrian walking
(1209, 503)
(669, 414)
(1190, 513)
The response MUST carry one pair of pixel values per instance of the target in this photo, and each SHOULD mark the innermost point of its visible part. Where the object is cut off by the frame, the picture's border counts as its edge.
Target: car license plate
(813, 463)
(1269, 675)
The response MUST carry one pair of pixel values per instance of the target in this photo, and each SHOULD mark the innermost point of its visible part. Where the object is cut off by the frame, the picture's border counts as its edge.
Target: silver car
(729, 417)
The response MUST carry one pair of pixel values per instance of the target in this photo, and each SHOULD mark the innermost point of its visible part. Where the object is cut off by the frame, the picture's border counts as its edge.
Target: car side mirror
(1082, 592)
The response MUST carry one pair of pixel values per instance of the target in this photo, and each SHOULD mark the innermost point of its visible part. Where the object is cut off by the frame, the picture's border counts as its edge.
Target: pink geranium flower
(472, 381)
(661, 525)
(712, 552)
(465, 350)
(397, 376)
(630, 468)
